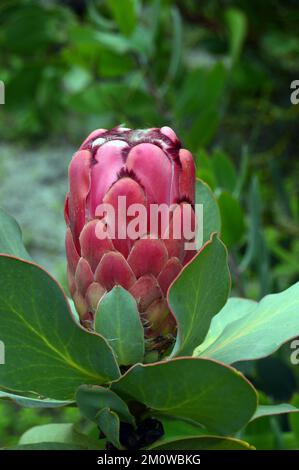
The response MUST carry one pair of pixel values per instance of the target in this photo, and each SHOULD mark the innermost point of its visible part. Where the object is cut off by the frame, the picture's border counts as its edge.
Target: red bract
(147, 167)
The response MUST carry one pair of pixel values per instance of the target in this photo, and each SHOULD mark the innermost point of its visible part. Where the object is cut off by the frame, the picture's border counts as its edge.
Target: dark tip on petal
(126, 173)
(186, 200)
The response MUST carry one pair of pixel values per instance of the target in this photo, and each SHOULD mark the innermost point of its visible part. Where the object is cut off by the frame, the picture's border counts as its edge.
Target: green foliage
(91, 399)
(118, 320)
(204, 443)
(189, 389)
(11, 428)
(211, 219)
(221, 79)
(11, 237)
(46, 335)
(57, 432)
(198, 294)
(245, 330)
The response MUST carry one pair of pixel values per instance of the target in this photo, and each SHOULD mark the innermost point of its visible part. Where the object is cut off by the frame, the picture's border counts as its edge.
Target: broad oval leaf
(91, 399)
(216, 396)
(46, 352)
(198, 294)
(30, 402)
(118, 320)
(234, 309)
(59, 433)
(204, 443)
(263, 328)
(177, 428)
(108, 422)
(49, 446)
(271, 410)
(11, 237)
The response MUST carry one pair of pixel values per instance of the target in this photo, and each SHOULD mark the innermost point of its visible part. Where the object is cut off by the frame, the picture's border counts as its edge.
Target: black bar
(130, 460)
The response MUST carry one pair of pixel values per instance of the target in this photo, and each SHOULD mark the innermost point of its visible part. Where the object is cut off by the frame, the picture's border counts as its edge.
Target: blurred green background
(219, 73)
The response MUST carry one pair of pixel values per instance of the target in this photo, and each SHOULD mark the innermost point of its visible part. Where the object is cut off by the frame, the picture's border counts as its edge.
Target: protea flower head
(145, 167)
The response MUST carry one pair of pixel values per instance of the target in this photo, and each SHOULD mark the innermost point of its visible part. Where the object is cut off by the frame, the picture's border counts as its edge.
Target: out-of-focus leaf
(211, 222)
(237, 26)
(224, 171)
(204, 168)
(203, 128)
(242, 174)
(31, 27)
(294, 418)
(115, 65)
(232, 219)
(76, 79)
(11, 237)
(57, 433)
(257, 252)
(176, 48)
(124, 12)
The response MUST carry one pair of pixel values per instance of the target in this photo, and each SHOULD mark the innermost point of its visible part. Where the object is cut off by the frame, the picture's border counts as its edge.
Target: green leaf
(58, 433)
(49, 446)
(91, 399)
(211, 214)
(261, 329)
(178, 433)
(203, 128)
(200, 93)
(118, 320)
(30, 402)
(257, 251)
(224, 171)
(294, 418)
(124, 12)
(11, 237)
(216, 396)
(232, 219)
(198, 294)
(234, 309)
(176, 49)
(46, 352)
(176, 46)
(108, 422)
(204, 443)
(237, 27)
(176, 428)
(271, 410)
